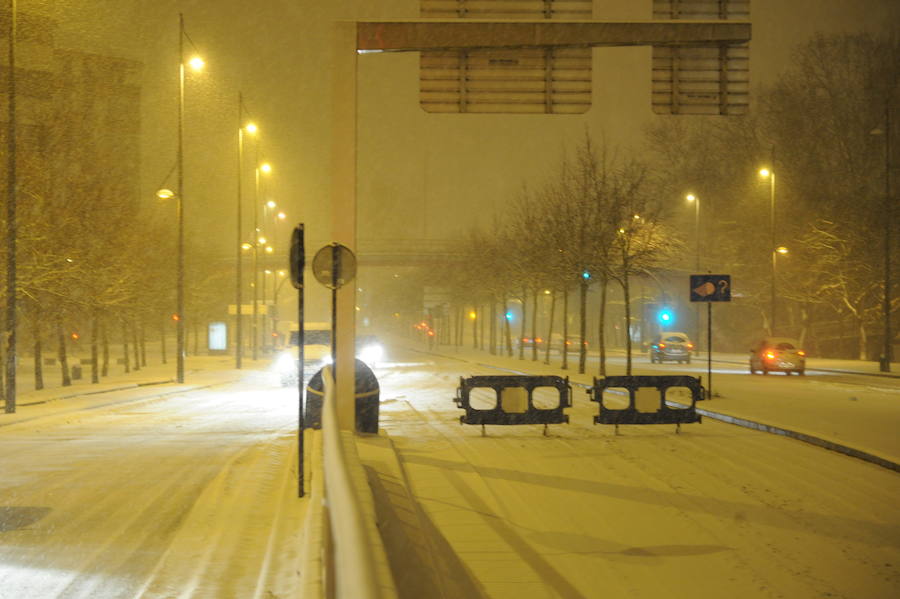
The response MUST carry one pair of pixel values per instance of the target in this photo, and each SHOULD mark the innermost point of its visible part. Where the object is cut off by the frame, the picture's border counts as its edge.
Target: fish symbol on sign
(705, 289)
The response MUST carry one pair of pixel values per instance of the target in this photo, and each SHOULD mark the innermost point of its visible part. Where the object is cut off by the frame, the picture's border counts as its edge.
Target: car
(777, 354)
(672, 346)
(317, 352)
(528, 343)
(572, 343)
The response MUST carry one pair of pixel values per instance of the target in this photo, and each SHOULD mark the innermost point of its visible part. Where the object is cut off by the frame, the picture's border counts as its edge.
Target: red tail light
(662, 345)
(539, 340)
(770, 355)
(801, 353)
(690, 346)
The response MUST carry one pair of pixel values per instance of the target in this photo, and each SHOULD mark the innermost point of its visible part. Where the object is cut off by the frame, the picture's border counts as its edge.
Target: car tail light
(662, 345)
(801, 353)
(690, 346)
(539, 340)
(770, 355)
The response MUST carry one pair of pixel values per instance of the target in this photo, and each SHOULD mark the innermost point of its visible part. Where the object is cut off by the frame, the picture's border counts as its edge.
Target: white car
(317, 353)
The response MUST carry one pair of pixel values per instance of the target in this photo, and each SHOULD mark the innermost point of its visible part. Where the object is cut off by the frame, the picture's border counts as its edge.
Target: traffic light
(666, 317)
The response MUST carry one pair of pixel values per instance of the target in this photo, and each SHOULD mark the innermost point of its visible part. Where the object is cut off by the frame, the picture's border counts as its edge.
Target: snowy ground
(189, 491)
(128, 494)
(716, 511)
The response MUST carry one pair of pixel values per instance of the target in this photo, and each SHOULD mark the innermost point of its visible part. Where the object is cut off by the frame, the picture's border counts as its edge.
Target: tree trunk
(162, 340)
(582, 352)
(627, 298)
(534, 312)
(565, 341)
(125, 345)
(550, 327)
(523, 332)
(95, 372)
(104, 339)
(601, 326)
(135, 346)
(475, 329)
(863, 339)
(492, 342)
(63, 357)
(143, 339)
(38, 355)
(507, 328)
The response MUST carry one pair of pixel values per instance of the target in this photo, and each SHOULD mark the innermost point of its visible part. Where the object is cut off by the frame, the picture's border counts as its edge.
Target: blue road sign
(710, 288)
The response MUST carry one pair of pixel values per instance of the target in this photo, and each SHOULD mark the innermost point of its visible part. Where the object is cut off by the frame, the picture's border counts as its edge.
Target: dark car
(675, 347)
(777, 354)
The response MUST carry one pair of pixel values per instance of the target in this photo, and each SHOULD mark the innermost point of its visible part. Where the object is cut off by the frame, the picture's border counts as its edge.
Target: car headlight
(372, 353)
(285, 362)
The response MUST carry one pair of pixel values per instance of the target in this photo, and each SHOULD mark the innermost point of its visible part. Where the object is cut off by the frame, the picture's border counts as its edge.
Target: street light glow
(265, 167)
(690, 197)
(261, 240)
(246, 246)
(196, 63)
(251, 128)
(269, 249)
(282, 216)
(165, 194)
(271, 204)
(764, 172)
(781, 249)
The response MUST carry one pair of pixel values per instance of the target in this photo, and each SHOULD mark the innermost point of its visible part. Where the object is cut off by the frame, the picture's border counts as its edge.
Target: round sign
(334, 265)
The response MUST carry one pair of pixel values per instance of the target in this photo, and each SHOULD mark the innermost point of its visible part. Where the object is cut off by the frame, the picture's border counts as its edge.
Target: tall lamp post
(10, 366)
(696, 202)
(770, 175)
(251, 129)
(887, 216)
(196, 63)
(257, 241)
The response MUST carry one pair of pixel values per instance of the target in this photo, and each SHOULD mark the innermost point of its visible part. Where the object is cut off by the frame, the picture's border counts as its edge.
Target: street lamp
(696, 201)
(885, 364)
(266, 168)
(770, 175)
(196, 63)
(251, 129)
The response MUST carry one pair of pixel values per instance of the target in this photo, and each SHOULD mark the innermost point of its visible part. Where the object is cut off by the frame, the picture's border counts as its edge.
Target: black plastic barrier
(663, 412)
(518, 393)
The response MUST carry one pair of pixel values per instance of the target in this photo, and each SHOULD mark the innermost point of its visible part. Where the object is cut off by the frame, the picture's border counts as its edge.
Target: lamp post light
(11, 233)
(251, 129)
(696, 201)
(197, 64)
(770, 175)
(887, 216)
(258, 239)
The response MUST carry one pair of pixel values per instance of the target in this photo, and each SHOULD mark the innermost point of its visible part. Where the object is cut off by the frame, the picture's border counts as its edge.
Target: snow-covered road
(716, 511)
(188, 495)
(192, 494)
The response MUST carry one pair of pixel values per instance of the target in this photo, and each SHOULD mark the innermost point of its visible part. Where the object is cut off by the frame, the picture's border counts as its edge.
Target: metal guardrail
(342, 541)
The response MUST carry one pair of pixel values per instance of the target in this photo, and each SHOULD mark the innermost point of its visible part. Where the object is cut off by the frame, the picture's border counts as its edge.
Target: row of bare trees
(824, 127)
(592, 222)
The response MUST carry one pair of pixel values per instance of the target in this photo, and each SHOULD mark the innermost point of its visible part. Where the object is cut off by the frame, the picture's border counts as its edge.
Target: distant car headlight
(372, 353)
(285, 363)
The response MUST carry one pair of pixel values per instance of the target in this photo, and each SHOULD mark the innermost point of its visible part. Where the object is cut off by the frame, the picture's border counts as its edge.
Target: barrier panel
(647, 392)
(513, 399)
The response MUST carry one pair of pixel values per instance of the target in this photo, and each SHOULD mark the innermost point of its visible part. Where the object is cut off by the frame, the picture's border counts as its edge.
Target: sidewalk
(153, 380)
(834, 405)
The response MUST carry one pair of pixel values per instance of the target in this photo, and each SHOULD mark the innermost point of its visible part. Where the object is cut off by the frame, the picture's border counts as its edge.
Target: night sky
(420, 175)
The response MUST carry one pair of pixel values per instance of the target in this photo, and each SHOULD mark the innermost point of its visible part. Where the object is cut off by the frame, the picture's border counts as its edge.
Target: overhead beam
(423, 35)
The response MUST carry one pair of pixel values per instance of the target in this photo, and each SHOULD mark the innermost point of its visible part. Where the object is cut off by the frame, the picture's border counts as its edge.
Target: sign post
(298, 261)
(334, 266)
(710, 288)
